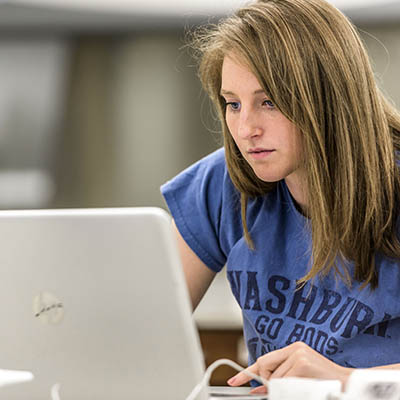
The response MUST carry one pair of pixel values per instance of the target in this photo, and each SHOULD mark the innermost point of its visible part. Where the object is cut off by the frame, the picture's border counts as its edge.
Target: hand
(295, 360)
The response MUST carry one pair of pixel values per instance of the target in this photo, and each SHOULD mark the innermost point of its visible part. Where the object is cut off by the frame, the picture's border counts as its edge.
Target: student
(302, 203)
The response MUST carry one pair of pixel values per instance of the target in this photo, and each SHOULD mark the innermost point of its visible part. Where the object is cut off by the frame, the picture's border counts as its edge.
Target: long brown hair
(311, 62)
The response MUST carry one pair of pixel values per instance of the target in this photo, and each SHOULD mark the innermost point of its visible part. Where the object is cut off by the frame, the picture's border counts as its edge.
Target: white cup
(373, 384)
(302, 388)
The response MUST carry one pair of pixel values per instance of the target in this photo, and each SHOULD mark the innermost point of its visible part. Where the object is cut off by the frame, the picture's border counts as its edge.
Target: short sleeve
(194, 198)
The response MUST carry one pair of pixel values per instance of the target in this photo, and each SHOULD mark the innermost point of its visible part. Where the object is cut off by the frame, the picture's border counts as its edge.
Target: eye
(233, 105)
(268, 103)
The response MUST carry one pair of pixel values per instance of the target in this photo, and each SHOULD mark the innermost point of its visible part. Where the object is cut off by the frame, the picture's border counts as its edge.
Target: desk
(237, 393)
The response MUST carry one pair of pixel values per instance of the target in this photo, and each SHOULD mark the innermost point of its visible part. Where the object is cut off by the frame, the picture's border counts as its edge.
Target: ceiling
(141, 14)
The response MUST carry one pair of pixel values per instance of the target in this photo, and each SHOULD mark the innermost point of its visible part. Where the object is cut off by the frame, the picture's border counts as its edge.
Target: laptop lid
(94, 300)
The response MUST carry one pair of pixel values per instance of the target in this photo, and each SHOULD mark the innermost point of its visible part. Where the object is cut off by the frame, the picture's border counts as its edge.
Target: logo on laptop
(48, 309)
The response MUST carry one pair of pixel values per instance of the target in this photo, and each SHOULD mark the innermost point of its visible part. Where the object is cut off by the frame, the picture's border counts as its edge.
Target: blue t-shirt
(352, 327)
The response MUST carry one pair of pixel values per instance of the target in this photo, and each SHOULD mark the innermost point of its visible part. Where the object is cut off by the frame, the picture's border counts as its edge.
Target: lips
(258, 150)
(259, 154)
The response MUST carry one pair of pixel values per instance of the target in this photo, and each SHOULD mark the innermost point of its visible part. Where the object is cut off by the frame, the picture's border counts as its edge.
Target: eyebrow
(258, 91)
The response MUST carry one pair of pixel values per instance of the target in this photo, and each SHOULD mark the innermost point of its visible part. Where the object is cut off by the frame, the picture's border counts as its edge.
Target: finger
(272, 360)
(243, 377)
(283, 369)
(264, 366)
(259, 390)
(304, 368)
(293, 372)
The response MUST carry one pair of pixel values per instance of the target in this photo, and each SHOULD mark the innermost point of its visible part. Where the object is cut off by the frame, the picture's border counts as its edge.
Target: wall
(136, 114)
(383, 45)
(135, 118)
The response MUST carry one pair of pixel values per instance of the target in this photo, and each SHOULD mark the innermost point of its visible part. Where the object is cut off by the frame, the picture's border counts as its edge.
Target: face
(269, 142)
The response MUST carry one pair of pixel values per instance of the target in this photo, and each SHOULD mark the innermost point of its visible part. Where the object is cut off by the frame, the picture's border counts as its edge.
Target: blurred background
(100, 105)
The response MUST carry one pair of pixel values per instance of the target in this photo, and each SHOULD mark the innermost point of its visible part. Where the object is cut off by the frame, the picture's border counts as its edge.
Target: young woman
(302, 203)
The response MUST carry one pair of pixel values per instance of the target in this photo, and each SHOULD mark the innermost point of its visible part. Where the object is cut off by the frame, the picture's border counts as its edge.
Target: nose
(249, 125)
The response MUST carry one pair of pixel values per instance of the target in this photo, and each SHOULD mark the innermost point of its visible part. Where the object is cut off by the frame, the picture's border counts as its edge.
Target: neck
(298, 193)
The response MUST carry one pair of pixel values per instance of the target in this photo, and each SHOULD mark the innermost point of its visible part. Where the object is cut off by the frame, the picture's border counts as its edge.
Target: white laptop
(94, 300)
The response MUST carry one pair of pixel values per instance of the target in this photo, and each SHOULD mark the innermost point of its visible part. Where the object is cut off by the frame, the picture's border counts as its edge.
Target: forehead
(235, 75)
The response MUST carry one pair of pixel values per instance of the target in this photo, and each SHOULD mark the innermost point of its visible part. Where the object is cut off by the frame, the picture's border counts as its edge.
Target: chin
(266, 175)
(269, 178)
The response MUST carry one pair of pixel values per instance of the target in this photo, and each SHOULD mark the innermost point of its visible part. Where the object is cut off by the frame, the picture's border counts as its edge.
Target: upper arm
(198, 276)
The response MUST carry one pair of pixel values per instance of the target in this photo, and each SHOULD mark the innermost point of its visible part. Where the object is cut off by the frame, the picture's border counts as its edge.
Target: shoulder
(199, 199)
